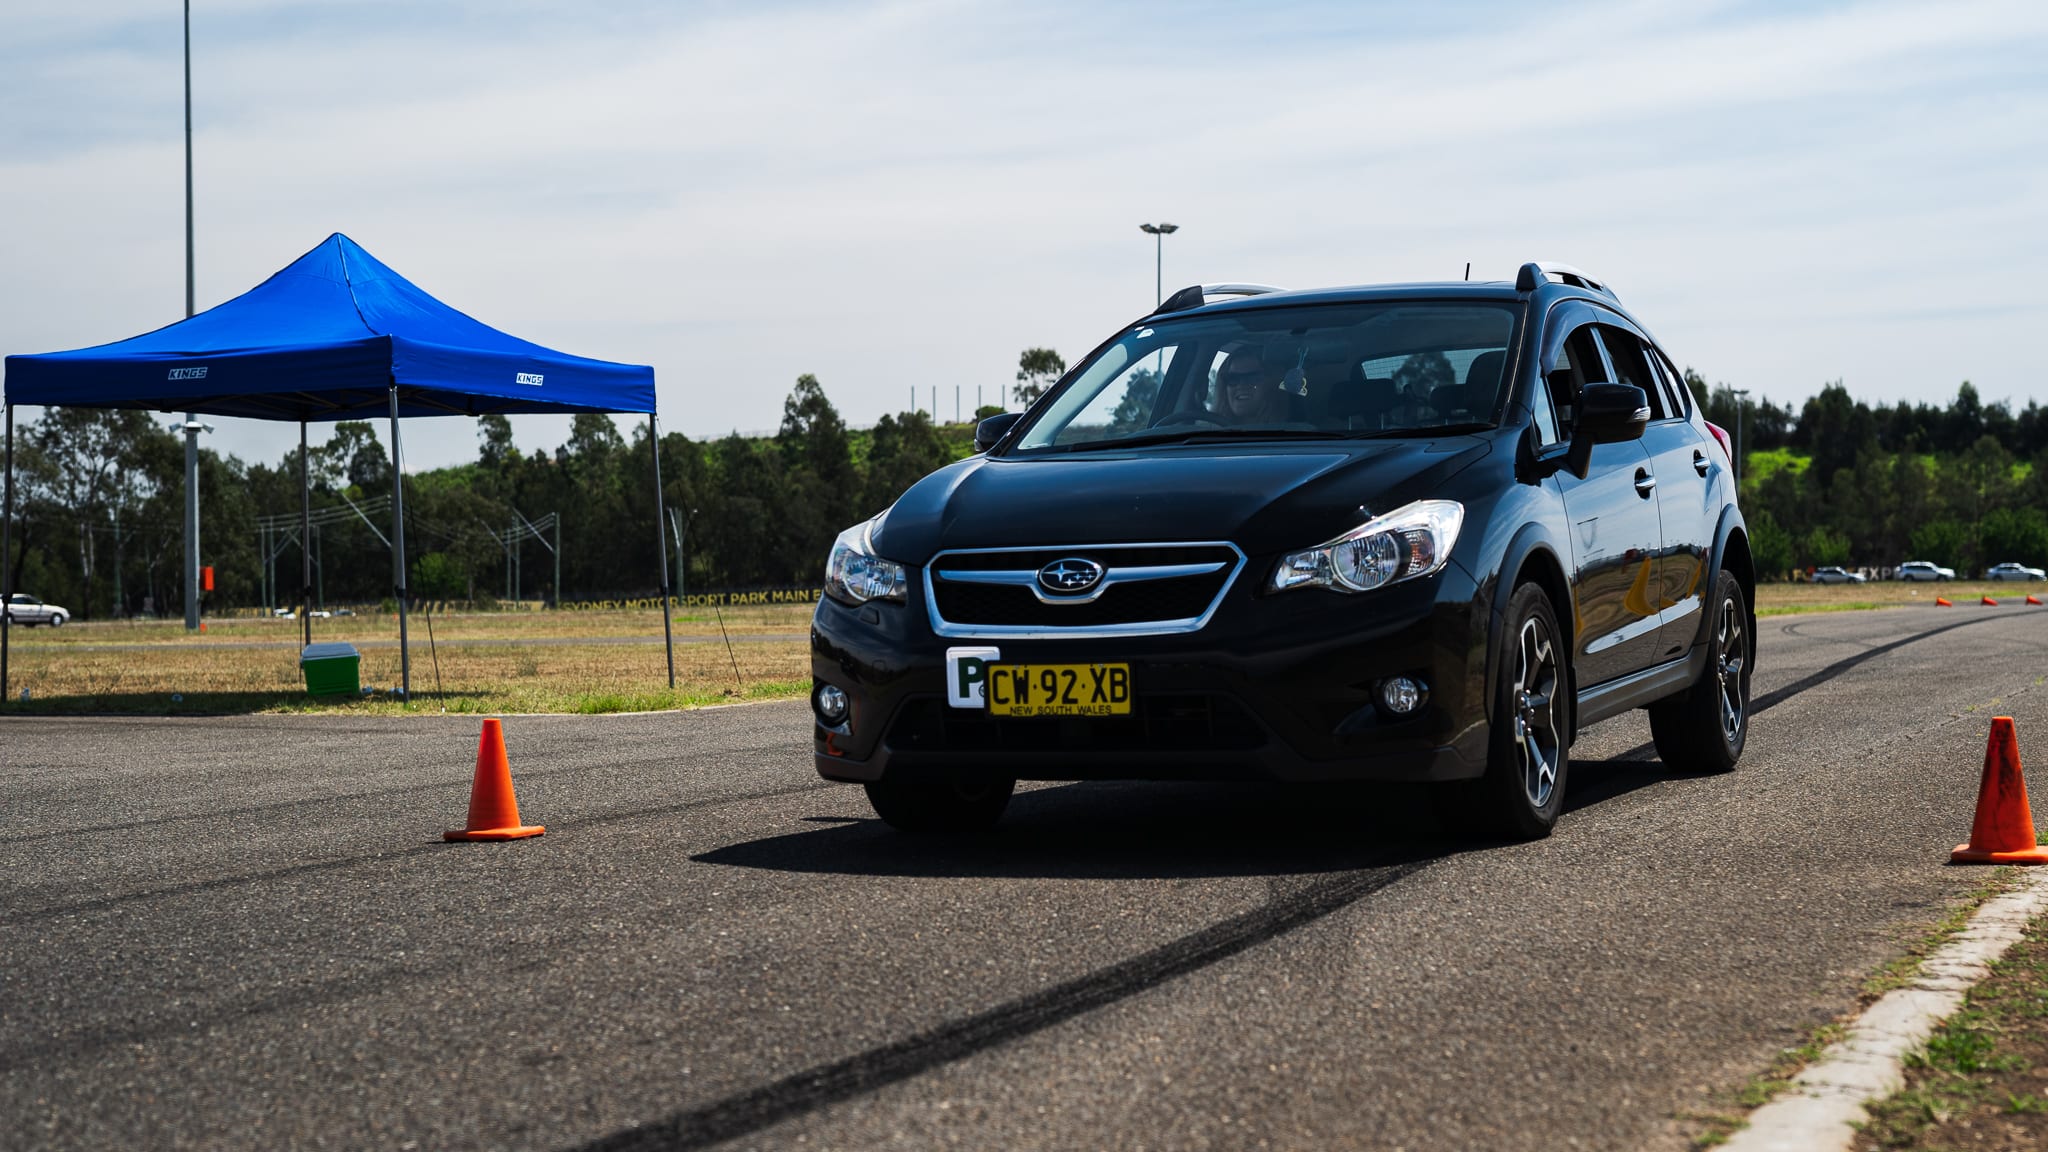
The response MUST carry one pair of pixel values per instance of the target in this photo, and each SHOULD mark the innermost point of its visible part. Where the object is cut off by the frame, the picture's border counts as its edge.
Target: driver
(1248, 394)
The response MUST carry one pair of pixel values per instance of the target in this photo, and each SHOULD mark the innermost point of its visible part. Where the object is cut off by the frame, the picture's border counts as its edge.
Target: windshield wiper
(1267, 434)
(1194, 435)
(1422, 432)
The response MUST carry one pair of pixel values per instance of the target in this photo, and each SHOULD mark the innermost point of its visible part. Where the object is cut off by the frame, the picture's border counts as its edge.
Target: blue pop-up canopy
(327, 338)
(335, 335)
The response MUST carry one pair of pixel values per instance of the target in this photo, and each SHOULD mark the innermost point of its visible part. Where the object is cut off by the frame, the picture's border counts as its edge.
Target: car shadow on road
(1143, 830)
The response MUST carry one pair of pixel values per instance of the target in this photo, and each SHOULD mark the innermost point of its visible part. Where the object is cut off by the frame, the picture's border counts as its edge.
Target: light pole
(1741, 418)
(1159, 234)
(192, 424)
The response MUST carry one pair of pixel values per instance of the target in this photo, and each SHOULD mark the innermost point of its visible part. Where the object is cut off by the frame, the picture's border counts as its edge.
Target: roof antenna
(1468, 269)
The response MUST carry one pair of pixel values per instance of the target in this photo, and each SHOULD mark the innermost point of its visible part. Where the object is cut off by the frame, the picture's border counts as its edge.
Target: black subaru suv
(1418, 532)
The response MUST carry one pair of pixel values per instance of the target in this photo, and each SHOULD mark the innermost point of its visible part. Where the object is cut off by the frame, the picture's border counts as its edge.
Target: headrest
(1484, 375)
(1359, 394)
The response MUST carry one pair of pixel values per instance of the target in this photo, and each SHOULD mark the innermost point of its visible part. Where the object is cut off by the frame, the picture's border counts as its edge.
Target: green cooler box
(331, 669)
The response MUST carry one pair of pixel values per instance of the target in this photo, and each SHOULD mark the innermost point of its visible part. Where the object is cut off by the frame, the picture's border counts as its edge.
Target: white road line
(1826, 1100)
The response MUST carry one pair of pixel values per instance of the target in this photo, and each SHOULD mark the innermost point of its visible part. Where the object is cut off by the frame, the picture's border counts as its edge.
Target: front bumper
(1277, 687)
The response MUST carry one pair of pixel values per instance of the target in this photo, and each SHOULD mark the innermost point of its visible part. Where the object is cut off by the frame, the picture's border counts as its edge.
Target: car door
(1687, 470)
(1615, 531)
(27, 610)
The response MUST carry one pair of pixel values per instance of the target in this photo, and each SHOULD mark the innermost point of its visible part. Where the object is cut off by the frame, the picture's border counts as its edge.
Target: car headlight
(855, 575)
(1411, 541)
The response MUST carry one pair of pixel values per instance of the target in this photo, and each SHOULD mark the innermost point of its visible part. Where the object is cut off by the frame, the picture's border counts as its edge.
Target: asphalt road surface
(246, 933)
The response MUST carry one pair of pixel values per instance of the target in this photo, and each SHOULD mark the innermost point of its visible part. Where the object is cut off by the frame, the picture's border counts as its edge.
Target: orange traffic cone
(2003, 832)
(493, 809)
(2036, 600)
(1942, 602)
(1993, 603)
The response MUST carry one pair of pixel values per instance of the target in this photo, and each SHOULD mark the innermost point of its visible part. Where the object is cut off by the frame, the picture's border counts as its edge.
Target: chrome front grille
(1145, 589)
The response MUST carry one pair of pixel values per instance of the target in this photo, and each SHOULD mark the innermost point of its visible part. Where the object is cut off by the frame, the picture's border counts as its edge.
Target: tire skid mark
(1777, 696)
(342, 864)
(366, 794)
(177, 1024)
(814, 1088)
(811, 1089)
(900, 1060)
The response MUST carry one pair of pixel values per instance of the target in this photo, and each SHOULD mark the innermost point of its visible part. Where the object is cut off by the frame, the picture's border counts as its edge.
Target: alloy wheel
(1536, 704)
(1730, 657)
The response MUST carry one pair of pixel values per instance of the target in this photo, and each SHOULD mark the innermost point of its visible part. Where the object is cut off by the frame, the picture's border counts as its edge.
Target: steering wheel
(1190, 416)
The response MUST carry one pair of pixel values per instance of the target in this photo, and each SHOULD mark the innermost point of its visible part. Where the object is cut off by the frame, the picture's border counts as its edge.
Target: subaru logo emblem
(1070, 575)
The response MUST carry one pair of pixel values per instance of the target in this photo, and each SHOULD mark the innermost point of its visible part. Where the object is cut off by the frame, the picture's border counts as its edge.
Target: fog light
(1402, 695)
(831, 704)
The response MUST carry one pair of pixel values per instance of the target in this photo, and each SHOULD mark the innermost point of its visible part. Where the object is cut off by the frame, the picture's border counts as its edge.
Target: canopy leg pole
(305, 541)
(192, 605)
(661, 550)
(7, 558)
(398, 550)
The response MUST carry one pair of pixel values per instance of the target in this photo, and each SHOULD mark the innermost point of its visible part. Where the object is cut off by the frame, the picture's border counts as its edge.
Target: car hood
(1263, 497)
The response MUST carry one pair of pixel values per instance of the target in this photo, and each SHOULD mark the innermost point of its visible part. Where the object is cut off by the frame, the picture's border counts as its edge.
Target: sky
(901, 196)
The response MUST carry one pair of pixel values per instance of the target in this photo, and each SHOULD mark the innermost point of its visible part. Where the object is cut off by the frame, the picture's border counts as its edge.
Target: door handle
(1645, 483)
(1699, 462)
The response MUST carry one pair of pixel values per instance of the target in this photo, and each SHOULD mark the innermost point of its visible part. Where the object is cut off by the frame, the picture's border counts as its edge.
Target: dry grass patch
(1786, 599)
(643, 623)
(1981, 1082)
(564, 677)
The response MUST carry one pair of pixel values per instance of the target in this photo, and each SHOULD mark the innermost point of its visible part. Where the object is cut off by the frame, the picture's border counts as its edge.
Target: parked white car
(1835, 575)
(1925, 570)
(25, 609)
(2010, 571)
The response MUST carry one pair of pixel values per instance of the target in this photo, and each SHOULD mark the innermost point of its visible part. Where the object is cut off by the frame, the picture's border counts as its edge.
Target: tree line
(99, 524)
(100, 498)
(1839, 481)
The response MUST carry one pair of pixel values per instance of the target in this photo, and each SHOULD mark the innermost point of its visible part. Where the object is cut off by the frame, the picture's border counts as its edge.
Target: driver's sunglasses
(1248, 378)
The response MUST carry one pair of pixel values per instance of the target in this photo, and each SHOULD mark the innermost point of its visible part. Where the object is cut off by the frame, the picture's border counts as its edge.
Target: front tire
(1705, 729)
(1530, 729)
(56, 621)
(941, 802)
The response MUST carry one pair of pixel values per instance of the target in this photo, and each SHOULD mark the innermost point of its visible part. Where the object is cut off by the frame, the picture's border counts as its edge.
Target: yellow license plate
(1059, 689)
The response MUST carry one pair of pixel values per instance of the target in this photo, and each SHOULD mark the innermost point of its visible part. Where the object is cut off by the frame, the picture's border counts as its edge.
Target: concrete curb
(1826, 1100)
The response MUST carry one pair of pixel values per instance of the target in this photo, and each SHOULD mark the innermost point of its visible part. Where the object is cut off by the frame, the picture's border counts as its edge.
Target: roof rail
(1196, 295)
(1537, 271)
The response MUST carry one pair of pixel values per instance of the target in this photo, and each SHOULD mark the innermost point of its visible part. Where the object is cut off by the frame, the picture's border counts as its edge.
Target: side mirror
(993, 429)
(1607, 414)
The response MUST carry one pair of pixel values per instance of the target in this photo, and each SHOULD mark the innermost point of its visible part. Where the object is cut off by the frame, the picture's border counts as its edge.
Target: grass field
(551, 662)
(1784, 599)
(495, 663)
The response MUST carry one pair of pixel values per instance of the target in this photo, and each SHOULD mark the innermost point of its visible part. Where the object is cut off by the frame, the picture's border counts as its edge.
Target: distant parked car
(25, 609)
(2011, 571)
(1925, 570)
(1834, 575)
(285, 613)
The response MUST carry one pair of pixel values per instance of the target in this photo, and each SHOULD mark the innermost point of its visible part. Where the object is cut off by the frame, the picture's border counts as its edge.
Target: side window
(1579, 363)
(1630, 367)
(1674, 387)
(1544, 413)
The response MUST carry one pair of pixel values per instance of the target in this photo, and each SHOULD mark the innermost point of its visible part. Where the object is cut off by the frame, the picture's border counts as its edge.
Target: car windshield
(1334, 370)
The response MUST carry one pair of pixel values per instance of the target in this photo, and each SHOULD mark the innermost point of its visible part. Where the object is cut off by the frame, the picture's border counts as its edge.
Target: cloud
(903, 195)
